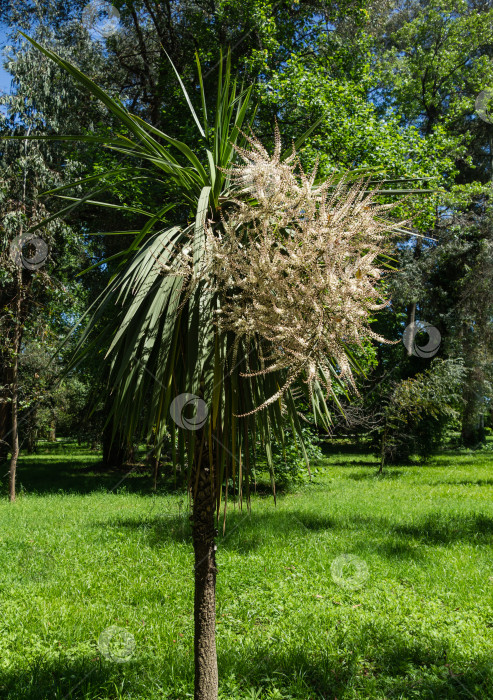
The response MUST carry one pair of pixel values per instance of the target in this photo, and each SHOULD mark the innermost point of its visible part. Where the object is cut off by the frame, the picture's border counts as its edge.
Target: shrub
(419, 412)
(289, 462)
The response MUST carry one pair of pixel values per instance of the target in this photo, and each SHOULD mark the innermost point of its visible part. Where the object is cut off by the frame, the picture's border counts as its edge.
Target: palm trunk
(203, 533)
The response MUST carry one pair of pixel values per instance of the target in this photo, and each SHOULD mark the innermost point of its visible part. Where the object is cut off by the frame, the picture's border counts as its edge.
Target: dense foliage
(390, 85)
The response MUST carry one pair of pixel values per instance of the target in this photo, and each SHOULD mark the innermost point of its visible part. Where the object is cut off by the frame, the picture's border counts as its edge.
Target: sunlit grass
(413, 617)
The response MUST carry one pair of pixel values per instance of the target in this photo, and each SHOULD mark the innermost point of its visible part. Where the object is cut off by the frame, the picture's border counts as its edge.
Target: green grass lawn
(355, 586)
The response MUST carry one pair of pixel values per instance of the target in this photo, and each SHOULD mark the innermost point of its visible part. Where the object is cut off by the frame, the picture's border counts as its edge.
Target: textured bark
(15, 390)
(5, 414)
(206, 677)
(15, 450)
(6, 301)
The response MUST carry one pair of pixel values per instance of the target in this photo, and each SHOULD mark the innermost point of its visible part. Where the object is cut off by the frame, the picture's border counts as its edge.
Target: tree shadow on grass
(349, 463)
(424, 669)
(331, 448)
(400, 548)
(441, 528)
(374, 475)
(81, 473)
(63, 473)
(388, 667)
(62, 680)
(245, 533)
(461, 482)
(435, 527)
(378, 664)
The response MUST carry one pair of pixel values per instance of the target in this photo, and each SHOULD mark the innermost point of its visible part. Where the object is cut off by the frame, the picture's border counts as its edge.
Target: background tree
(418, 413)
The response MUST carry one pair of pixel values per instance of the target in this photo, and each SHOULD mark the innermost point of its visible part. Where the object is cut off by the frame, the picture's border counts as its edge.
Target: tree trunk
(411, 320)
(382, 451)
(52, 433)
(32, 440)
(203, 533)
(15, 390)
(15, 449)
(411, 311)
(5, 409)
(116, 452)
(156, 472)
(472, 431)
(5, 420)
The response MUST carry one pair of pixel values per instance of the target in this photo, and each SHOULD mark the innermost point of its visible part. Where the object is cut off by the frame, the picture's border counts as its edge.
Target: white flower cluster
(296, 266)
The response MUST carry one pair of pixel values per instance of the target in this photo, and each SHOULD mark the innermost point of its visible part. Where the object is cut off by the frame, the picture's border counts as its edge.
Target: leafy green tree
(50, 164)
(25, 284)
(47, 404)
(436, 61)
(419, 411)
(36, 289)
(459, 283)
(430, 61)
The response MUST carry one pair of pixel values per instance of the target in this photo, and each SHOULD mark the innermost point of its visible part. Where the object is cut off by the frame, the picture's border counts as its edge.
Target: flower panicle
(296, 266)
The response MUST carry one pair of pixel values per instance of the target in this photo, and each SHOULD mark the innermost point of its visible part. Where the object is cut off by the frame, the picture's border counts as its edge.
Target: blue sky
(5, 77)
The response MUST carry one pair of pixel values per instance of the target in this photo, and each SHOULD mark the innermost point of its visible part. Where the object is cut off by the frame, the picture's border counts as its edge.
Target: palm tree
(164, 348)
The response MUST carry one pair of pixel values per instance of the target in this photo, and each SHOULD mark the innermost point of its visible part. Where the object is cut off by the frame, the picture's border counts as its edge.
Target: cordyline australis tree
(270, 284)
